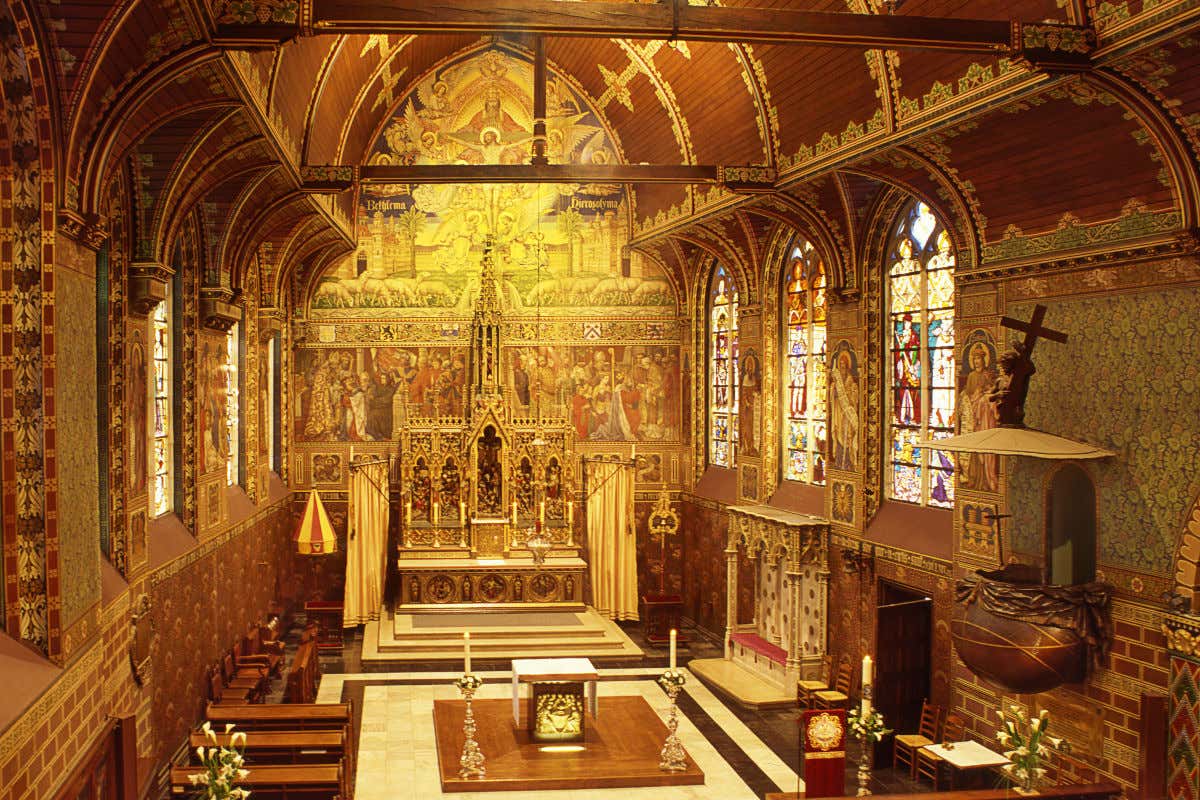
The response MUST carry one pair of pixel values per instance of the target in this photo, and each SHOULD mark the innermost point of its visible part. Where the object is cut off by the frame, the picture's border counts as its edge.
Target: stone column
(795, 611)
(731, 589)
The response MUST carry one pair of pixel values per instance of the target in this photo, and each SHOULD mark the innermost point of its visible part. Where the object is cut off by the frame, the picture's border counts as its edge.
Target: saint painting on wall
(844, 404)
(976, 412)
(750, 375)
(137, 400)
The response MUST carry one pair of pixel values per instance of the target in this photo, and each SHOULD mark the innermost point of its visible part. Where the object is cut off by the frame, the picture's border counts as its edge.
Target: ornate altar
(477, 488)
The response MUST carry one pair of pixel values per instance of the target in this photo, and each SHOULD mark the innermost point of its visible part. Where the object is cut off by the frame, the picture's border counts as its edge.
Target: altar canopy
(366, 543)
(612, 541)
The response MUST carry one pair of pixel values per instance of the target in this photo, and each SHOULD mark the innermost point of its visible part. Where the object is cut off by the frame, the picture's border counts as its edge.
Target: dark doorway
(903, 655)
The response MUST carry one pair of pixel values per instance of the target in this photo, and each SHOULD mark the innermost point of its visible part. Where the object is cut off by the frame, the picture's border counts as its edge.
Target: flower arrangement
(672, 678)
(471, 682)
(1029, 745)
(868, 727)
(222, 765)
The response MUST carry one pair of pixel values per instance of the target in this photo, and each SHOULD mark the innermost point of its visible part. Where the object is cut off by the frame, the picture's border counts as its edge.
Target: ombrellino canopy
(314, 535)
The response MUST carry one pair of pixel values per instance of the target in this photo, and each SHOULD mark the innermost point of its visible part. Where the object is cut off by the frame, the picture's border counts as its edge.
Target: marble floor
(397, 758)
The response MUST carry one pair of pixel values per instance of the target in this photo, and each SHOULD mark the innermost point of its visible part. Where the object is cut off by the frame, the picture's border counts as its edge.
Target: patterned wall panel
(1183, 748)
(1085, 390)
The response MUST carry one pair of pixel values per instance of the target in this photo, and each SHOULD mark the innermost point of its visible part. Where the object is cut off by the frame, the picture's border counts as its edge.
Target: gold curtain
(366, 544)
(612, 541)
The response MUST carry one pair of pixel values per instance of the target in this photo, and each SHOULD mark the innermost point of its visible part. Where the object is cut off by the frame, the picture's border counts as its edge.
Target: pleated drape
(367, 541)
(612, 541)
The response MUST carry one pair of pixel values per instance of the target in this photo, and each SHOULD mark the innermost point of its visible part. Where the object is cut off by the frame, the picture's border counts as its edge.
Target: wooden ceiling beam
(540, 173)
(673, 19)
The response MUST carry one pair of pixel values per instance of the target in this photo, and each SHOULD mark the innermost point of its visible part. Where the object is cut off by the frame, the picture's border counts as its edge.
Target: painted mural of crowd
(617, 393)
(363, 394)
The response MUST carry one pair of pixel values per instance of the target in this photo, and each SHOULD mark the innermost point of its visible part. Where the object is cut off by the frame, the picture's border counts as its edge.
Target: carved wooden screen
(921, 346)
(723, 370)
(804, 406)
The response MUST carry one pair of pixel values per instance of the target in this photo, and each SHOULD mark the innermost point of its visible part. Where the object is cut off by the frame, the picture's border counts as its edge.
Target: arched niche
(1070, 526)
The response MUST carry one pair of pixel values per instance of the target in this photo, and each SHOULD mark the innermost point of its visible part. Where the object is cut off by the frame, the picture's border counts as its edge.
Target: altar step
(401, 639)
(740, 684)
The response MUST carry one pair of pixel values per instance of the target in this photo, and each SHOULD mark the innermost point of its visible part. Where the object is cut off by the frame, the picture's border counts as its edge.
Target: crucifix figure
(1016, 368)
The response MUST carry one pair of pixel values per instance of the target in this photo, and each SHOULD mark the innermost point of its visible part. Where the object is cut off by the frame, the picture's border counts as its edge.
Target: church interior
(672, 399)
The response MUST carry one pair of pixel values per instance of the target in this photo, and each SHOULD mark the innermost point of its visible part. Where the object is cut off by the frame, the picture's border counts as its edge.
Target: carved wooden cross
(1033, 329)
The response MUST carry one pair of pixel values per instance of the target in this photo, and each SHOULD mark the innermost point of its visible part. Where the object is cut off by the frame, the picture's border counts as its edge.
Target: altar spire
(485, 332)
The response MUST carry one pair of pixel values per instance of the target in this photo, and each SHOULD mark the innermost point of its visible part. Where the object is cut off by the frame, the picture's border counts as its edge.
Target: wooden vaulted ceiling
(1013, 151)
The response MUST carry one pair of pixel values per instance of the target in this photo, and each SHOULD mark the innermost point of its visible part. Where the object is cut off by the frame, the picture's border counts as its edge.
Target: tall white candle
(437, 512)
(466, 652)
(542, 512)
(408, 512)
(867, 677)
(514, 513)
(672, 649)
(462, 512)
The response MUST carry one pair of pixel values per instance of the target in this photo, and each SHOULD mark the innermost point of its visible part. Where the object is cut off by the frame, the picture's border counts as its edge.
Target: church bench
(279, 747)
(301, 681)
(281, 716)
(276, 781)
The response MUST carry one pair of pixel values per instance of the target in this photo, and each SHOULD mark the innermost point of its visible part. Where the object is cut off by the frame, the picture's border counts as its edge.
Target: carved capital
(148, 281)
(217, 309)
(255, 23)
(90, 230)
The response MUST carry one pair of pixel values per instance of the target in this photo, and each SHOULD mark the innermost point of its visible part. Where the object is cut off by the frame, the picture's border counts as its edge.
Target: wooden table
(964, 756)
(537, 671)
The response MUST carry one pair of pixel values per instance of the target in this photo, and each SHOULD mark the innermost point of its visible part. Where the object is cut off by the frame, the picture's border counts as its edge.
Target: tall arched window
(921, 346)
(722, 370)
(232, 407)
(162, 500)
(804, 433)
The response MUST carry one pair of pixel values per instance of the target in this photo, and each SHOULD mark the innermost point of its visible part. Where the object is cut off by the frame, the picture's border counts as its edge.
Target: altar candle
(672, 649)
(462, 512)
(514, 513)
(867, 675)
(408, 512)
(466, 652)
(542, 513)
(437, 512)
(570, 517)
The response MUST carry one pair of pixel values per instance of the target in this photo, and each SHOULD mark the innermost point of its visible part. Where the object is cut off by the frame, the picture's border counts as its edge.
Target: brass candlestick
(673, 757)
(471, 761)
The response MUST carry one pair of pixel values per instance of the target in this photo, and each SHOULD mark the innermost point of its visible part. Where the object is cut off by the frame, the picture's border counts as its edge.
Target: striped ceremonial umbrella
(314, 535)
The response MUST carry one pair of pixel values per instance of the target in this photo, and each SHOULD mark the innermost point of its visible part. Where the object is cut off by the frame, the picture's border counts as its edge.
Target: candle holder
(869, 729)
(471, 761)
(673, 758)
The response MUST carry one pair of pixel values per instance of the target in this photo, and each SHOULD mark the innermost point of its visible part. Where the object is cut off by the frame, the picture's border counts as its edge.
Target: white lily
(238, 738)
(200, 753)
(228, 727)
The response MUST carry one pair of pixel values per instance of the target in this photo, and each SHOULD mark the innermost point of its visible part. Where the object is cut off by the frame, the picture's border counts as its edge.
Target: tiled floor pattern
(397, 755)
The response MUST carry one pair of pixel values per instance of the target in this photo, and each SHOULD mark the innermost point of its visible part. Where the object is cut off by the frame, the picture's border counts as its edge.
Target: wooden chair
(839, 695)
(954, 729)
(907, 744)
(807, 689)
(218, 692)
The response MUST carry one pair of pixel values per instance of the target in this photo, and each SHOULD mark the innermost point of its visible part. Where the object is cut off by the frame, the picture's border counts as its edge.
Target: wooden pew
(282, 747)
(301, 682)
(277, 782)
(281, 716)
(328, 616)
(219, 692)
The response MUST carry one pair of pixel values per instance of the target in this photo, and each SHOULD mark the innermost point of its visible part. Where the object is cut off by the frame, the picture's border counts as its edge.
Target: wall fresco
(419, 245)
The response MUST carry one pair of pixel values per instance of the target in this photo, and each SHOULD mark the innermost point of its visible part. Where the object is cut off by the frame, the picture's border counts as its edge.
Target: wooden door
(904, 652)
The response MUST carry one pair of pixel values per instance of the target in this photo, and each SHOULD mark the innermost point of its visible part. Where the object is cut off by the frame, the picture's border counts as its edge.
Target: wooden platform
(621, 751)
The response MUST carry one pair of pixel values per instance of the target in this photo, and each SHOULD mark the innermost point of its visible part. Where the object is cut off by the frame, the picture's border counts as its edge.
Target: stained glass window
(723, 370)
(162, 446)
(232, 410)
(921, 348)
(805, 417)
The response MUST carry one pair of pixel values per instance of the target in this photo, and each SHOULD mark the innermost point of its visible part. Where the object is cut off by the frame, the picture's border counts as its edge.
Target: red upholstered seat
(752, 641)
